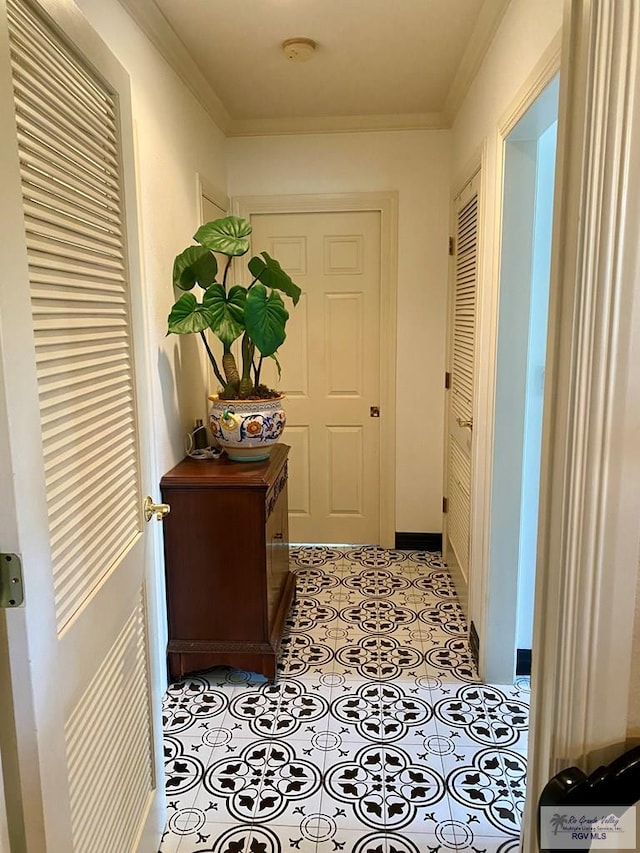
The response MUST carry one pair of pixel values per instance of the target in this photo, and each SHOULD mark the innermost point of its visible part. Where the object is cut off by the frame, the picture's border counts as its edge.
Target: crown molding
(489, 20)
(158, 30)
(336, 124)
(161, 34)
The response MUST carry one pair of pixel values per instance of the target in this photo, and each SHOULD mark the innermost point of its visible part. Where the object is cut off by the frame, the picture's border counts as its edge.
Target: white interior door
(79, 649)
(330, 370)
(461, 371)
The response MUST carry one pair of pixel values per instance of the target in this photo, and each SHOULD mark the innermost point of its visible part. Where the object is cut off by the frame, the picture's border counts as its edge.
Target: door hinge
(447, 379)
(452, 246)
(445, 505)
(11, 586)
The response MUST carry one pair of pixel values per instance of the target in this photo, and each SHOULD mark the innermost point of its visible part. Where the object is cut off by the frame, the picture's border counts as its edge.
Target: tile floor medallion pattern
(377, 737)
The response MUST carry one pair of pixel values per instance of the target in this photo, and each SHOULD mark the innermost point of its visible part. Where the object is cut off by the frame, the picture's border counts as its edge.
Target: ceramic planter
(247, 429)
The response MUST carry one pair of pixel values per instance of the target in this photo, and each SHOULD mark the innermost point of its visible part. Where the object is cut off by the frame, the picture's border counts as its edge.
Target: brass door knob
(150, 509)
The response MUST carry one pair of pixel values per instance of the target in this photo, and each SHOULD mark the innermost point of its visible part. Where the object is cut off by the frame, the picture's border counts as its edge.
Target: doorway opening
(529, 174)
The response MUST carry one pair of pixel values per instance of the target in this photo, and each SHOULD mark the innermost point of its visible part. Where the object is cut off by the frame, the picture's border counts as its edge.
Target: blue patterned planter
(247, 429)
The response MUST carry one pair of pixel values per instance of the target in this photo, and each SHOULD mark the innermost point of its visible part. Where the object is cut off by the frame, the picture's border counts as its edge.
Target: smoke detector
(299, 49)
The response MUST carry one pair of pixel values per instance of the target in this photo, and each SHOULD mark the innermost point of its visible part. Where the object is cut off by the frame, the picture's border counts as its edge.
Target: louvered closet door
(461, 367)
(67, 319)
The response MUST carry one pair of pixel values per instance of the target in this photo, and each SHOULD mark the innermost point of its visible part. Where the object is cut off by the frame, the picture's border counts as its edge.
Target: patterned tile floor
(377, 737)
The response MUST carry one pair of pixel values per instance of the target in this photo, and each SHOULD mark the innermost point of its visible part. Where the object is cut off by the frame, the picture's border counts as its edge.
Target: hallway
(376, 738)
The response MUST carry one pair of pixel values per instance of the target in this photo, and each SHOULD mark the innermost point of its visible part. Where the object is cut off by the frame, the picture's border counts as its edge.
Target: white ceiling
(379, 63)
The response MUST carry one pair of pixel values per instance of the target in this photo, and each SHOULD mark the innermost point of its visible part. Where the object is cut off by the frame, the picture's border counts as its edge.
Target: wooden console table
(226, 548)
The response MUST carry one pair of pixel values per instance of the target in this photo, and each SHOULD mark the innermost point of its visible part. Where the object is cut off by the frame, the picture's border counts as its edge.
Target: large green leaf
(265, 318)
(228, 310)
(226, 235)
(196, 265)
(188, 315)
(267, 270)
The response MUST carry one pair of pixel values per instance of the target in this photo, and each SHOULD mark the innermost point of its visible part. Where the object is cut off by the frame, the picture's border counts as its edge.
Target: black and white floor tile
(376, 738)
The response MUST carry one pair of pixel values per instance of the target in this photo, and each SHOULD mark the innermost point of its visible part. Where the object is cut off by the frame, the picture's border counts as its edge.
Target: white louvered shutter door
(68, 126)
(464, 309)
(73, 221)
(459, 504)
(462, 371)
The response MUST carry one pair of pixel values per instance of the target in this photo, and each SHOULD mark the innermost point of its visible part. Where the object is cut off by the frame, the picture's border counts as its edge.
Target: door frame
(385, 203)
(589, 543)
(205, 187)
(487, 307)
(499, 625)
(37, 818)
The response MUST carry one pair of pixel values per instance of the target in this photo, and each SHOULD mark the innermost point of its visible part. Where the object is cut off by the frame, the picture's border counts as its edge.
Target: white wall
(175, 139)
(416, 165)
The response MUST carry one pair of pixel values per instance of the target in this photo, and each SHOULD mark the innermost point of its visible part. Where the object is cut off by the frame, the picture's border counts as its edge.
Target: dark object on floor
(523, 661)
(474, 644)
(418, 541)
(616, 785)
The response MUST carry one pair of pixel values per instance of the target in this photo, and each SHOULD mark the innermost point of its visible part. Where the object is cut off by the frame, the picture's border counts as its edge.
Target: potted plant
(247, 418)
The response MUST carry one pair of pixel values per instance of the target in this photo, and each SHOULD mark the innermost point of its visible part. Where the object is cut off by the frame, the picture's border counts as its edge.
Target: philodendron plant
(256, 313)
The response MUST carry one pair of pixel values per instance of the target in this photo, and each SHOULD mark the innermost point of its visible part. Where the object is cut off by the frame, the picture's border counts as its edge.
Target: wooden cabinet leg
(269, 669)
